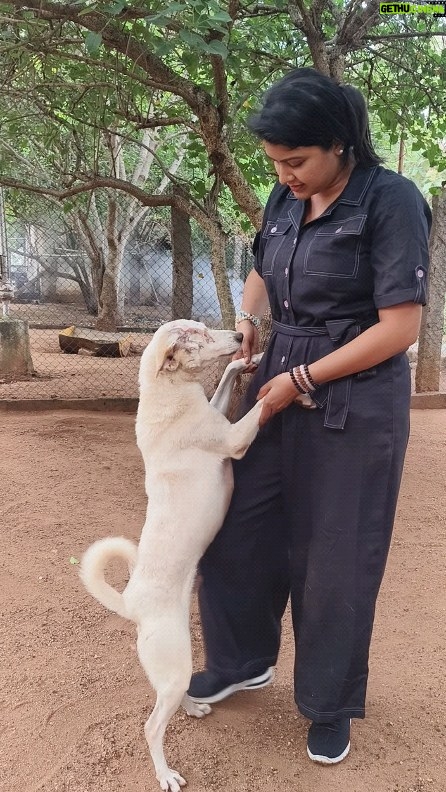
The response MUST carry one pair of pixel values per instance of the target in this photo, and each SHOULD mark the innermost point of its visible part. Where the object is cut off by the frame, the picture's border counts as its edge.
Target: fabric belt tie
(334, 395)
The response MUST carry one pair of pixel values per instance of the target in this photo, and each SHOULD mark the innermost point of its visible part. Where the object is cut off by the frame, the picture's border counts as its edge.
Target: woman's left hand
(278, 393)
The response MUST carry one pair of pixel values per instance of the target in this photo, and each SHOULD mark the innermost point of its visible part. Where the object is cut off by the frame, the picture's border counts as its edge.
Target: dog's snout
(239, 337)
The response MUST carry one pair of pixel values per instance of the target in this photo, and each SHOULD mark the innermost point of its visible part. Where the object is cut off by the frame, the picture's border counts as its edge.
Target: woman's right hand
(250, 343)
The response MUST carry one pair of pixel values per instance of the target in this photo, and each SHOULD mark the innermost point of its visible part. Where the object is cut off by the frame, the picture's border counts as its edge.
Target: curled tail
(92, 568)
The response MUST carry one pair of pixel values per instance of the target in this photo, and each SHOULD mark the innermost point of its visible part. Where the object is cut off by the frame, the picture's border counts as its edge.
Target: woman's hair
(306, 108)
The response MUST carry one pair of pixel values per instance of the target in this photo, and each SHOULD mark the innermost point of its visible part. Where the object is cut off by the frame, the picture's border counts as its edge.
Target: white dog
(186, 443)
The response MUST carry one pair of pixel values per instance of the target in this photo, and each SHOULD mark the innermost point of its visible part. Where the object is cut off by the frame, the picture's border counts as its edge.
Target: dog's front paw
(171, 781)
(255, 359)
(240, 365)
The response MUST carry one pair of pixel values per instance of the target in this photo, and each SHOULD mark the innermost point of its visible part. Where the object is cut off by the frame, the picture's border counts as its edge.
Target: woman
(341, 259)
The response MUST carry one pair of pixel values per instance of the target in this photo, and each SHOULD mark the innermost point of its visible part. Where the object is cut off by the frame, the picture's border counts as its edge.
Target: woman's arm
(397, 329)
(255, 301)
(255, 297)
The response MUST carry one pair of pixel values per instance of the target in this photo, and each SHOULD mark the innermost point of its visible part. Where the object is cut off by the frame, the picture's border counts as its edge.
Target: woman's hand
(250, 343)
(277, 393)
(255, 301)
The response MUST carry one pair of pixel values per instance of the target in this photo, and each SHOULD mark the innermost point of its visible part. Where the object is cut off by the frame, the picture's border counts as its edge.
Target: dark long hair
(306, 108)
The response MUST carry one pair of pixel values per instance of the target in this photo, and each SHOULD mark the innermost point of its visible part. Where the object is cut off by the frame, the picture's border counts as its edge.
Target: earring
(341, 151)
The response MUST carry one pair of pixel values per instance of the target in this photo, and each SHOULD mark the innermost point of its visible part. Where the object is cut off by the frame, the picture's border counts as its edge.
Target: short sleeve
(399, 253)
(256, 251)
(273, 203)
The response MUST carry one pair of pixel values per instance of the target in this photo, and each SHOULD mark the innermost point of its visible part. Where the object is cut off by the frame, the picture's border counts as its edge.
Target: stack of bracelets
(300, 376)
(302, 379)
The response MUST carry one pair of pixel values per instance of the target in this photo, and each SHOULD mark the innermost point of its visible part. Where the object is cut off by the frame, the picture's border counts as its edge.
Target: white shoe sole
(328, 760)
(249, 684)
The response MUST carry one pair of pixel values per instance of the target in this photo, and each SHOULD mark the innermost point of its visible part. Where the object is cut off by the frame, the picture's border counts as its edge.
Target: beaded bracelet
(245, 315)
(297, 384)
(306, 379)
(308, 376)
(302, 379)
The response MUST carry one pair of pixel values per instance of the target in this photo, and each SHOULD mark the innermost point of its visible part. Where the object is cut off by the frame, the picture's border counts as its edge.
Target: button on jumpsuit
(315, 496)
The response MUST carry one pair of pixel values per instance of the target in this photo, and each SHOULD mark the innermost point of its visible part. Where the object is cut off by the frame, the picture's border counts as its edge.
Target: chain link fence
(93, 292)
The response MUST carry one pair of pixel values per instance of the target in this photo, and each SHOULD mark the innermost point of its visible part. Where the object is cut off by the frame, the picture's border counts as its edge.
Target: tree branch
(119, 40)
(146, 199)
(114, 38)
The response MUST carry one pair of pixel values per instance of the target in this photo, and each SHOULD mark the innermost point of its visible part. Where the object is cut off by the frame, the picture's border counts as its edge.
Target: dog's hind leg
(165, 707)
(164, 649)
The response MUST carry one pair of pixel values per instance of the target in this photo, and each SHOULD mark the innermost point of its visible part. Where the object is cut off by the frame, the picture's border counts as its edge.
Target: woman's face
(309, 170)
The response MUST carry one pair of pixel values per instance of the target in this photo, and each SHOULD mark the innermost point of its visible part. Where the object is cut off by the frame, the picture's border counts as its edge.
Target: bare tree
(430, 342)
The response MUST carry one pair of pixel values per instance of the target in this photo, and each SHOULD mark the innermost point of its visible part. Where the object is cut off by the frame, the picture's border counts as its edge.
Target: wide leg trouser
(311, 515)
(245, 571)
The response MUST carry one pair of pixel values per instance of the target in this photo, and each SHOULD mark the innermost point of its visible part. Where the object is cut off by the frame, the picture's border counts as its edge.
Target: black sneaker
(206, 687)
(329, 743)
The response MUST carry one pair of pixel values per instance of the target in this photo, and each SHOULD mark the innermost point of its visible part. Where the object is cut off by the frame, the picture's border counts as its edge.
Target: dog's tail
(92, 568)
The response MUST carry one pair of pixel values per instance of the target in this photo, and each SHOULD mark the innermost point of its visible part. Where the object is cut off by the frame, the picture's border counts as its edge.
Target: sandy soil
(74, 697)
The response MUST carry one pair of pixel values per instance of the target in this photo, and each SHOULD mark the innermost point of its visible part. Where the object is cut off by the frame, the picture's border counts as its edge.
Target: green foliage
(66, 85)
(403, 74)
(93, 42)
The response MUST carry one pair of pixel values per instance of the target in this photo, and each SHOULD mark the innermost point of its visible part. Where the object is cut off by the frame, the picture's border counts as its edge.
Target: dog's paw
(238, 365)
(194, 709)
(200, 710)
(171, 781)
(255, 359)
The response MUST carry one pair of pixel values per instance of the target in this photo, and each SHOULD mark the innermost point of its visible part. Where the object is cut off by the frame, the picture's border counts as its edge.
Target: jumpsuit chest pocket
(335, 248)
(275, 235)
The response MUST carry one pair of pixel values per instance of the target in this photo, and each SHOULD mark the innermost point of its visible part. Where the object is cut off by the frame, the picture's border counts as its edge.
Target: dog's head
(190, 346)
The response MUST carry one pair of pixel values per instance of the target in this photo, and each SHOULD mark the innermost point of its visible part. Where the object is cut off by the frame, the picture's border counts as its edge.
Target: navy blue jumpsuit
(314, 500)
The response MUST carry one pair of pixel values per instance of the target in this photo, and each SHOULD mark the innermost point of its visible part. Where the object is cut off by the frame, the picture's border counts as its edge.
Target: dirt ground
(74, 697)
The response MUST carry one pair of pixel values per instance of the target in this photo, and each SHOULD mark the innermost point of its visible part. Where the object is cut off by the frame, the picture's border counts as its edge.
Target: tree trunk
(89, 294)
(108, 318)
(91, 242)
(224, 294)
(427, 378)
(97, 277)
(238, 256)
(89, 298)
(182, 265)
(109, 315)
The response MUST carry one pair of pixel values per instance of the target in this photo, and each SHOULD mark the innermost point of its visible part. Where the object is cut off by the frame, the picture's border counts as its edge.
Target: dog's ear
(166, 359)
